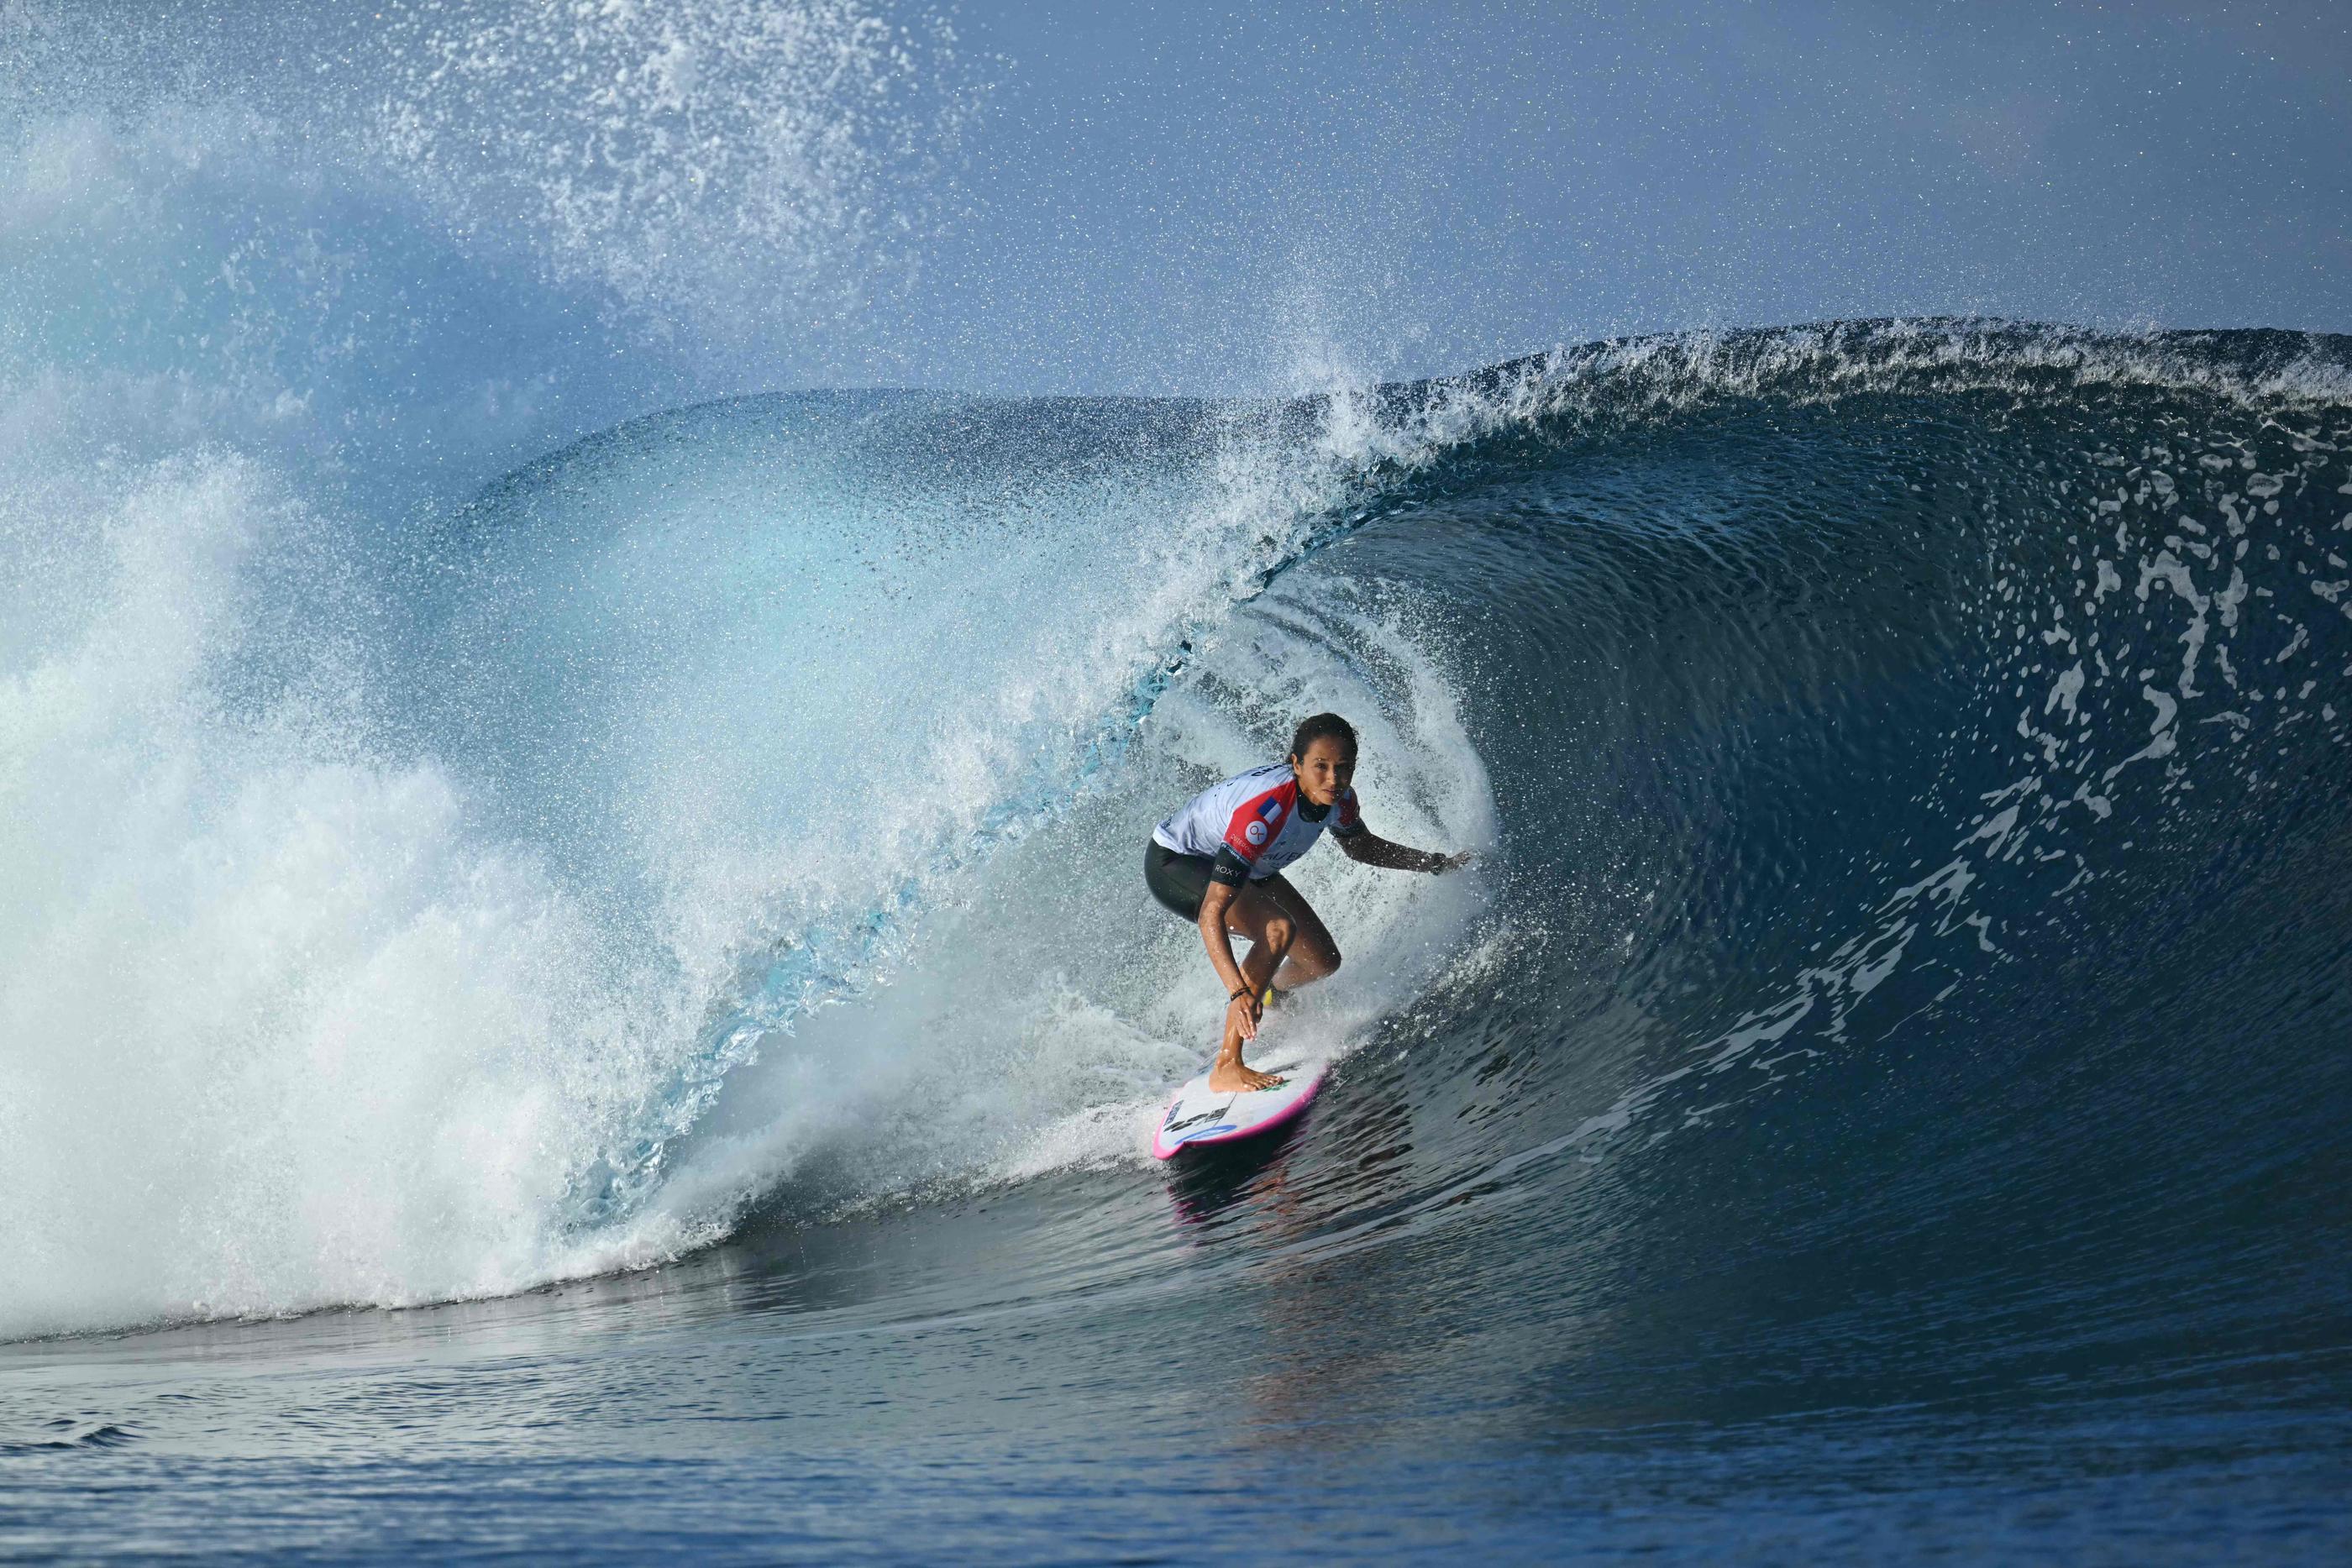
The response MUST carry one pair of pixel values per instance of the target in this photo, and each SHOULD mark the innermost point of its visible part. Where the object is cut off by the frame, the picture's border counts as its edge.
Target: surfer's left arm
(1368, 848)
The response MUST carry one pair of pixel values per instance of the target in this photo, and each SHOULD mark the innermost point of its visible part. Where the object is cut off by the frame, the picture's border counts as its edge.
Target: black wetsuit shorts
(1179, 880)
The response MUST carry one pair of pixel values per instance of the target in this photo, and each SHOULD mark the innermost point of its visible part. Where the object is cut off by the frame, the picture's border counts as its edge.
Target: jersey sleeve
(1349, 819)
(1248, 831)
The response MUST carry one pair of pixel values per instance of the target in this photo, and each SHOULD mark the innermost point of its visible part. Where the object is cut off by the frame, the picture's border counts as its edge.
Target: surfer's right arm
(1242, 1007)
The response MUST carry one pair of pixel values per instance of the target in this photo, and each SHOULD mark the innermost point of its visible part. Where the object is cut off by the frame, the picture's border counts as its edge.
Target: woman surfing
(1218, 862)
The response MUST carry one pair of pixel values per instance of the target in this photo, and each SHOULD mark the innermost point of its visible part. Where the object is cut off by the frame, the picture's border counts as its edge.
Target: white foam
(281, 1028)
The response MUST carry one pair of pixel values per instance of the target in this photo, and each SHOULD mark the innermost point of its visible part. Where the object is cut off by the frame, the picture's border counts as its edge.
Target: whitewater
(571, 898)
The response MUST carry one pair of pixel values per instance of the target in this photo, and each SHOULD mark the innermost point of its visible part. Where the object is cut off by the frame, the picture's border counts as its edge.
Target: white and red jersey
(1257, 817)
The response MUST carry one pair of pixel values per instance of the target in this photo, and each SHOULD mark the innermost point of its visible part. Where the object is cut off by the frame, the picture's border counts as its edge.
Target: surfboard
(1200, 1116)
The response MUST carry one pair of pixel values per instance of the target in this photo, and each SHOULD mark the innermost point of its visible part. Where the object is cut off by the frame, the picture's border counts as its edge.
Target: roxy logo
(1255, 833)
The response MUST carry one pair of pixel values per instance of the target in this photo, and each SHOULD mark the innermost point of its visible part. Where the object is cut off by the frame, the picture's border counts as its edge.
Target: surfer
(1218, 862)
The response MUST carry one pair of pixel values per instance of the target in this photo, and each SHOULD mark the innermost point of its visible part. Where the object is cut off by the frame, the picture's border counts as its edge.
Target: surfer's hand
(1453, 861)
(1242, 1013)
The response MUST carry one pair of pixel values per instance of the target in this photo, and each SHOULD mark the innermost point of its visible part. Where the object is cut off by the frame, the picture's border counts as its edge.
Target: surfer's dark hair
(1323, 726)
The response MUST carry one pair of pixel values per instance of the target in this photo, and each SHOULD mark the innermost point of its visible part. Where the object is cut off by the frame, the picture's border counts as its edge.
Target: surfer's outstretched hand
(1453, 861)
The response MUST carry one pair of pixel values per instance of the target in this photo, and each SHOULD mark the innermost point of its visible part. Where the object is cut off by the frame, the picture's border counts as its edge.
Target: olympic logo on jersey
(1255, 833)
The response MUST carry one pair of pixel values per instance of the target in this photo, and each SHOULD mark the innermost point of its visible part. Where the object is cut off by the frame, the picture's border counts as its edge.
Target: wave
(464, 828)
(737, 804)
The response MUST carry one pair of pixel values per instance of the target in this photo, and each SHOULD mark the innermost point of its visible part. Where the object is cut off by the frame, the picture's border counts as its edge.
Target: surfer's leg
(1311, 952)
(1260, 914)
(1271, 932)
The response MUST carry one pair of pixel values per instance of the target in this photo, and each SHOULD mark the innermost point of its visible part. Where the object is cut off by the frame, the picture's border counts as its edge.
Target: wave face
(1920, 759)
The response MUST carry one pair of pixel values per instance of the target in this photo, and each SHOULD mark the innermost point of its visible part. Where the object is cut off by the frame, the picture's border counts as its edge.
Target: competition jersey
(1258, 818)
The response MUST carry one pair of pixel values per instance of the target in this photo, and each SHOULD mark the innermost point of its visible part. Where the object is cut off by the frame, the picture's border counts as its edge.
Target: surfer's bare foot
(1233, 1078)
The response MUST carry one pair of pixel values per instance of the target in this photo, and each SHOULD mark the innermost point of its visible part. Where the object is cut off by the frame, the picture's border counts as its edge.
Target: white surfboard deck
(1201, 1116)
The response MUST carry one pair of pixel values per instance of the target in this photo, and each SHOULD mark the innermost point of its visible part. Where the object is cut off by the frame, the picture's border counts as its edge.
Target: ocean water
(574, 981)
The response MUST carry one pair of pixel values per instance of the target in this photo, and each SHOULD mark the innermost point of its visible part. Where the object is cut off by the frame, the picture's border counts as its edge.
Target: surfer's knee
(1280, 932)
(1312, 960)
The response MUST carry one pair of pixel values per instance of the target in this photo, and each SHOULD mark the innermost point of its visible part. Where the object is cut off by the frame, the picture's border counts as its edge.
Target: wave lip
(1637, 380)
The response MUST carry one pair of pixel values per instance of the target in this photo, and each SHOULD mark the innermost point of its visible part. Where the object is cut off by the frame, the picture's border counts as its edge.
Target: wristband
(1237, 995)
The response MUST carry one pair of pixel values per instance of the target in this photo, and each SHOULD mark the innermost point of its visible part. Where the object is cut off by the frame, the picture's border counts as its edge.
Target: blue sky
(1246, 197)
(1266, 196)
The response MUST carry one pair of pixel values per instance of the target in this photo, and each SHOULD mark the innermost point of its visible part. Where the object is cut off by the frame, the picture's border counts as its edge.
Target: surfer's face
(1325, 770)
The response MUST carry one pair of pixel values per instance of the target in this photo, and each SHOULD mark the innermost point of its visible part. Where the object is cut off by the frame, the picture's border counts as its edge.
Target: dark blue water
(1881, 1096)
